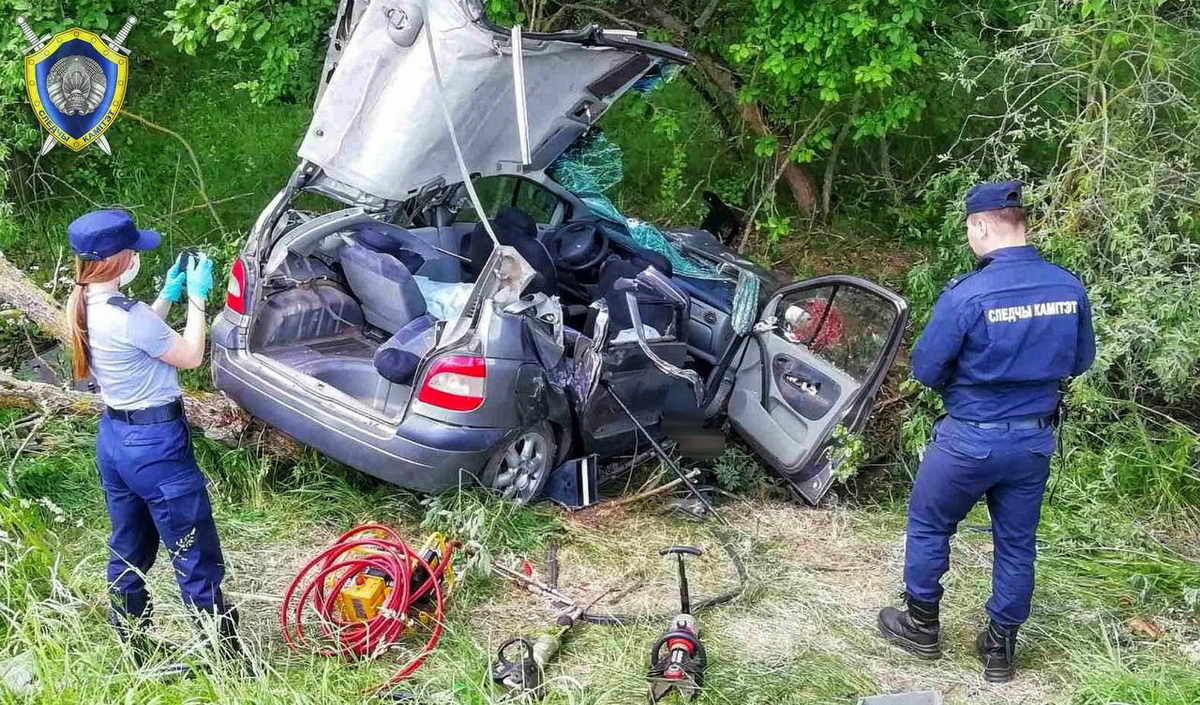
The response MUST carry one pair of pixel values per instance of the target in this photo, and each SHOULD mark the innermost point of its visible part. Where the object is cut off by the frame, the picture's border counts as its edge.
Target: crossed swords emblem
(116, 43)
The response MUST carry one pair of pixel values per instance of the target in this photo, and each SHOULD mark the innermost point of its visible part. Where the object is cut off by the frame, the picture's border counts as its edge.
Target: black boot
(224, 631)
(129, 615)
(915, 630)
(997, 648)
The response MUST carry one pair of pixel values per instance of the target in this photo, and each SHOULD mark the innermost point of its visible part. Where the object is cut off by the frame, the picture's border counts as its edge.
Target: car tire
(519, 468)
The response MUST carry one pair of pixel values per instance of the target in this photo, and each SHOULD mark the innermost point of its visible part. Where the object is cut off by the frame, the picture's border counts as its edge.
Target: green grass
(801, 635)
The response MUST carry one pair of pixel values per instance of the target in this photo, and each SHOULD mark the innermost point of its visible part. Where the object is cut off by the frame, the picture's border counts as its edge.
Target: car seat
(658, 309)
(513, 227)
(383, 286)
(378, 241)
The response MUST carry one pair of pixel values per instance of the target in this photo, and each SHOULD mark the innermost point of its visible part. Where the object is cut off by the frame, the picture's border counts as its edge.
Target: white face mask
(130, 274)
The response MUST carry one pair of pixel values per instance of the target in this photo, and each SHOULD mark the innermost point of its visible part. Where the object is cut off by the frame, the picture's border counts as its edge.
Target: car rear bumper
(422, 454)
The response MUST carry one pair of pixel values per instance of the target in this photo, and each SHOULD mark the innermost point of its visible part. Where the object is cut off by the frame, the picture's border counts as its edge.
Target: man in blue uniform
(999, 342)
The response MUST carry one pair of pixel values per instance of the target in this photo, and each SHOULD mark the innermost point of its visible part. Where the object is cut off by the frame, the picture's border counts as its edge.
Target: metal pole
(518, 66)
(662, 454)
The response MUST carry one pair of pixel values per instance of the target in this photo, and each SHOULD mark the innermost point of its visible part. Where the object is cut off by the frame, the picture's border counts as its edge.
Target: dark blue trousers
(962, 465)
(155, 491)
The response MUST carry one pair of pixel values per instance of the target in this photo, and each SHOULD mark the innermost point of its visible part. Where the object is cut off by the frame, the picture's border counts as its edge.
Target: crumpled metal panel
(379, 127)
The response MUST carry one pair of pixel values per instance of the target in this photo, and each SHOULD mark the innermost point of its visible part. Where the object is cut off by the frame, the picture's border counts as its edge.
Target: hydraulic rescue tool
(521, 661)
(366, 591)
(678, 659)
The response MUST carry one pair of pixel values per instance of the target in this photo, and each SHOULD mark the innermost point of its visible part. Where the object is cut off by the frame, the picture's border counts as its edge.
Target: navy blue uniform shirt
(1001, 338)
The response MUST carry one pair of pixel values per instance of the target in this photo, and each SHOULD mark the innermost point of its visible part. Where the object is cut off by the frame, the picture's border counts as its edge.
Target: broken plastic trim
(504, 277)
(689, 376)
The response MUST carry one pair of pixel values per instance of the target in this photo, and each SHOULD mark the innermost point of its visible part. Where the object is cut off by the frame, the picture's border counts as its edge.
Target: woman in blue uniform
(153, 487)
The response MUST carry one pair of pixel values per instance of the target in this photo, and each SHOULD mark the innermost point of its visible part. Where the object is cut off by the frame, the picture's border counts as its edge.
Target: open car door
(815, 360)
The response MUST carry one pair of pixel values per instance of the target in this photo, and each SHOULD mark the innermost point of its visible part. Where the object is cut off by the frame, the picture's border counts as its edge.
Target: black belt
(1015, 425)
(154, 414)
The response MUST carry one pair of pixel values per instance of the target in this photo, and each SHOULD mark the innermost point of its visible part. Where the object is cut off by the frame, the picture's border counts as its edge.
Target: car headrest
(385, 244)
(516, 229)
(398, 358)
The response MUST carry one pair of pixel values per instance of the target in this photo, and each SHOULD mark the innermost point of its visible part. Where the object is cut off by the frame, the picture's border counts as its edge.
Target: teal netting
(593, 166)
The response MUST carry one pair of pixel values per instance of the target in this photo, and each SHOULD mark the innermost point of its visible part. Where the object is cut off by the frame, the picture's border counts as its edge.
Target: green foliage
(670, 153)
(504, 12)
(1098, 111)
(487, 525)
(847, 454)
(737, 470)
(279, 40)
(803, 59)
(1093, 103)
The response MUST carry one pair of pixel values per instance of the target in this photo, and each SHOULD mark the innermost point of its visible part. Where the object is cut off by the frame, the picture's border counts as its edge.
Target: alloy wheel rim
(522, 467)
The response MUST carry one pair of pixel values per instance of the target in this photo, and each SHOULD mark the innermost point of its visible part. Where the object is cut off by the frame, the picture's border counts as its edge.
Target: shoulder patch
(1064, 269)
(960, 279)
(122, 302)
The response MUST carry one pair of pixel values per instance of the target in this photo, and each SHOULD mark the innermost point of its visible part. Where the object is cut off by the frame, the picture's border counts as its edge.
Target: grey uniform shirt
(125, 346)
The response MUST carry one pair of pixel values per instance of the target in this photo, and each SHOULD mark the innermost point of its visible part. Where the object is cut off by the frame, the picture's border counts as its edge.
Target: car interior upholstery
(516, 229)
(385, 288)
(354, 315)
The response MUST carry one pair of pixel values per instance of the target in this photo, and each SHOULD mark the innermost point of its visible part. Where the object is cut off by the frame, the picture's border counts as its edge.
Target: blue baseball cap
(994, 196)
(101, 234)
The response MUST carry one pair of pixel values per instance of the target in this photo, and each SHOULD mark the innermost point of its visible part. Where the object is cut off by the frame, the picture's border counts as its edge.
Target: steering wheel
(577, 245)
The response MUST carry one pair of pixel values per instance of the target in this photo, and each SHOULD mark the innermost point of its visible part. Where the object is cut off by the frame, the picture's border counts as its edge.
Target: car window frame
(560, 213)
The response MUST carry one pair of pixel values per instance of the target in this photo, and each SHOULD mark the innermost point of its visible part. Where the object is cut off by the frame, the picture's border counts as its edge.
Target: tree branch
(31, 300)
(200, 184)
(705, 15)
(603, 13)
(799, 180)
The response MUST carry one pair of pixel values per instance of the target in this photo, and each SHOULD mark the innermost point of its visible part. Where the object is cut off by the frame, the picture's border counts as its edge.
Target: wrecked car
(376, 317)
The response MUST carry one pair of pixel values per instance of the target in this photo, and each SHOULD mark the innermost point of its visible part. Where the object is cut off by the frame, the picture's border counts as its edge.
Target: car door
(815, 360)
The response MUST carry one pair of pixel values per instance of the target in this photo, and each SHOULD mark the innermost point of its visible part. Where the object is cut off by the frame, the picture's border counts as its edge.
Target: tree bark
(798, 179)
(213, 414)
(831, 164)
(36, 304)
(885, 169)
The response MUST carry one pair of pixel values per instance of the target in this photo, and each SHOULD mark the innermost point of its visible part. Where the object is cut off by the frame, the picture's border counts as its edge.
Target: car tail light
(455, 382)
(235, 294)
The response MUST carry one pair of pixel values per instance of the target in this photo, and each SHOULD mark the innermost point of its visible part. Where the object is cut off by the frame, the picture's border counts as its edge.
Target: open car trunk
(316, 329)
(399, 74)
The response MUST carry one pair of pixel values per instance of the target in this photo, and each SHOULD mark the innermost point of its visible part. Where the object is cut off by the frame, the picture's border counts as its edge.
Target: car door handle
(803, 384)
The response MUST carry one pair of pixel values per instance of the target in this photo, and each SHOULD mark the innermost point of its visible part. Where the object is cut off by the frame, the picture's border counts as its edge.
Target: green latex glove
(175, 283)
(199, 278)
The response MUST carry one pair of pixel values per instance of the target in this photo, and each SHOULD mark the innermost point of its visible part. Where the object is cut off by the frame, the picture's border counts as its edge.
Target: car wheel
(519, 469)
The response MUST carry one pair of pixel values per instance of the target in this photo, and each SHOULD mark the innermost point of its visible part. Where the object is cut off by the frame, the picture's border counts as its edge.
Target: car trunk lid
(379, 132)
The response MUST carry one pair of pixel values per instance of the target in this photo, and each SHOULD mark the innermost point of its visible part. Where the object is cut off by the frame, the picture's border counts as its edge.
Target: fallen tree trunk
(214, 414)
(30, 299)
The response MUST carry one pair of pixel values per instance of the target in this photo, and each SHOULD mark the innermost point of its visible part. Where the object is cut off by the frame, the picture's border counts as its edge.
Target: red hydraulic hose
(315, 589)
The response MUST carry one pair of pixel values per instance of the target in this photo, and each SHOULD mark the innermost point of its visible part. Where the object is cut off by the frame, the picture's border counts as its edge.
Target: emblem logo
(76, 83)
